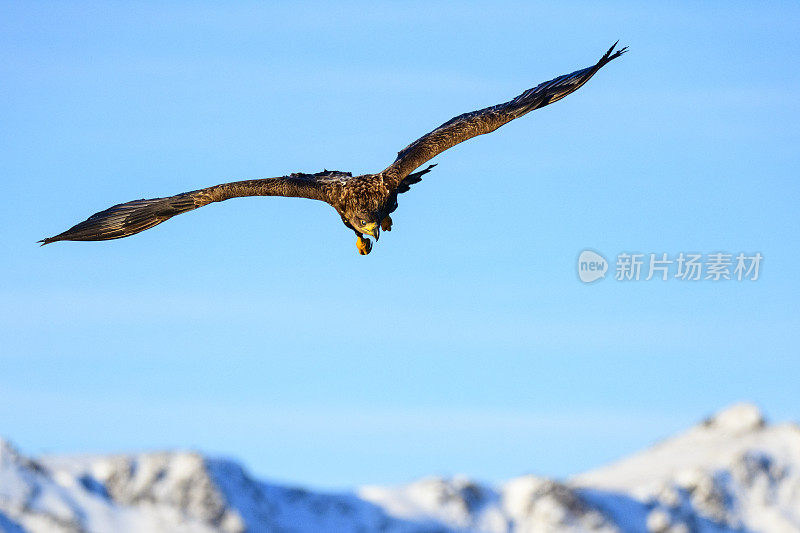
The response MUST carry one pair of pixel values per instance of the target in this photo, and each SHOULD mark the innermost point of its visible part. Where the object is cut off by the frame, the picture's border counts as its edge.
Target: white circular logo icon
(591, 266)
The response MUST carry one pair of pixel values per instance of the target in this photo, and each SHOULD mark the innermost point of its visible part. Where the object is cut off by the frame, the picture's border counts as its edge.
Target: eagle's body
(363, 202)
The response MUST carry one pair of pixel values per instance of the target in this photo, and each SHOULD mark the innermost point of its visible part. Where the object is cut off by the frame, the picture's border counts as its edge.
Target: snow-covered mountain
(733, 472)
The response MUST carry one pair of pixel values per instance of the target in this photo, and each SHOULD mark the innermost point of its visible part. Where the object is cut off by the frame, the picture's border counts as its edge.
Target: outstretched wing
(469, 125)
(129, 218)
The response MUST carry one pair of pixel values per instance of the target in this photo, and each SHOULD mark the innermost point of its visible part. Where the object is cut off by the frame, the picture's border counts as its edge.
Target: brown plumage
(364, 202)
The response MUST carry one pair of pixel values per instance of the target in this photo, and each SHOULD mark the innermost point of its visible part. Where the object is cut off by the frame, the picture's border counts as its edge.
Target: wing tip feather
(48, 240)
(610, 55)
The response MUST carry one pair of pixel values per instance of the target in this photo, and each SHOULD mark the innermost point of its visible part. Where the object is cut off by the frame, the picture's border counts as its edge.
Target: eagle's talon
(364, 245)
(386, 224)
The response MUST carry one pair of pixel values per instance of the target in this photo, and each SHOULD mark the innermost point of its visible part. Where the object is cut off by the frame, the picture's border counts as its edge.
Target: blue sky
(464, 343)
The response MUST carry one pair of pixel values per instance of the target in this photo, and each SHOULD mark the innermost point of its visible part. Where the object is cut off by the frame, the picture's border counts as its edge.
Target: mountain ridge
(732, 472)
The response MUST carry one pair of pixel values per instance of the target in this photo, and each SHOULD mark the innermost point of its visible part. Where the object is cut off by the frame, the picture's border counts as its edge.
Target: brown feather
(469, 125)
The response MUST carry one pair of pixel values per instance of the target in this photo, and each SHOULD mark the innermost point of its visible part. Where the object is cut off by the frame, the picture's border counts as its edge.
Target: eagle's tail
(126, 219)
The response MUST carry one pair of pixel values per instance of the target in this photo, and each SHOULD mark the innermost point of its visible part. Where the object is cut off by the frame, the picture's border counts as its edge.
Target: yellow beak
(374, 230)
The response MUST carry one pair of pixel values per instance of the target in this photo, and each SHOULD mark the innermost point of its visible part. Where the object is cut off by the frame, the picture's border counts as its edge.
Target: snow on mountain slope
(731, 473)
(524, 504)
(182, 491)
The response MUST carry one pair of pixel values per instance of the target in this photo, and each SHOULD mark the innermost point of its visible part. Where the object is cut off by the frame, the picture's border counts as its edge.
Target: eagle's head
(366, 222)
(363, 198)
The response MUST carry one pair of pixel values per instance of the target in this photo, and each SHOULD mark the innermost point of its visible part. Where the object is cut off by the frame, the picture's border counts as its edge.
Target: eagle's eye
(363, 222)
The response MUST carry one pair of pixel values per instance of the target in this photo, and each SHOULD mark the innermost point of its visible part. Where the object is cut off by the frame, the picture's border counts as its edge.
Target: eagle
(364, 202)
